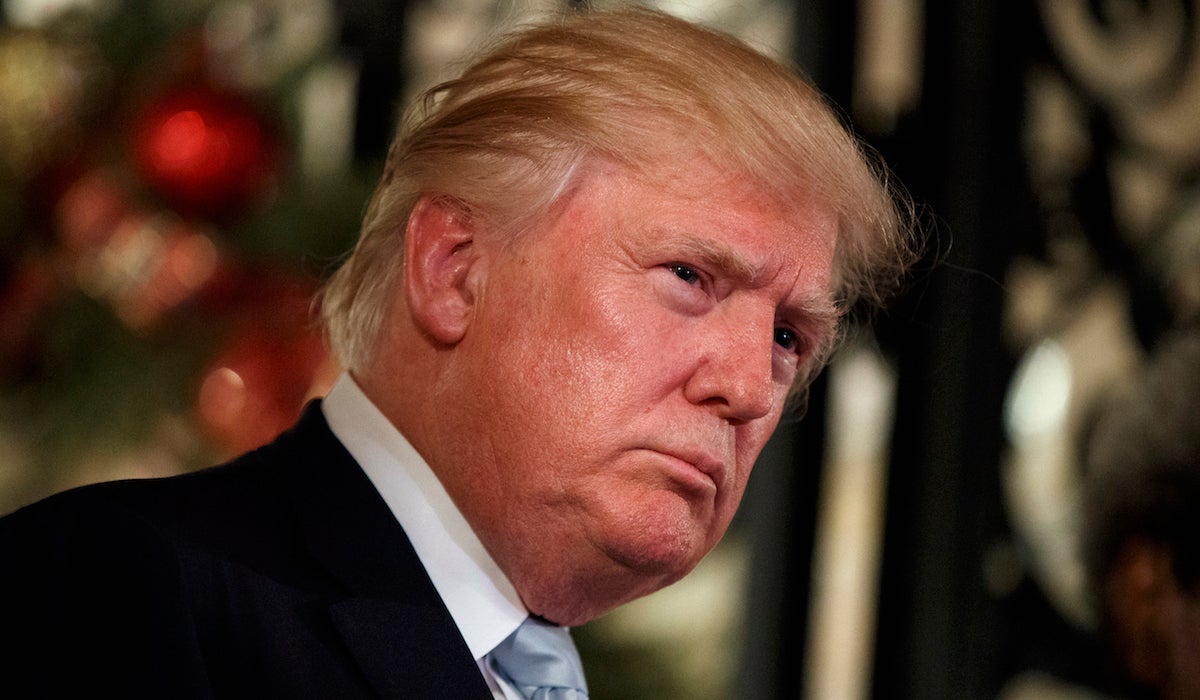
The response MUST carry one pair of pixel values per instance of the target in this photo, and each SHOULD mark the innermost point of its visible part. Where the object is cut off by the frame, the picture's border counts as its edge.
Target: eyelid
(802, 342)
(703, 279)
(808, 339)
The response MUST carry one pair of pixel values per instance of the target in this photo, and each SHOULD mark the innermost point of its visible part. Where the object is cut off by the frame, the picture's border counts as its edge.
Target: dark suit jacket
(279, 575)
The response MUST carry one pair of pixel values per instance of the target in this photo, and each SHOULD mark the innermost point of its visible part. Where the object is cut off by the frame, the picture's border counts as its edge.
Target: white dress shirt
(480, 598)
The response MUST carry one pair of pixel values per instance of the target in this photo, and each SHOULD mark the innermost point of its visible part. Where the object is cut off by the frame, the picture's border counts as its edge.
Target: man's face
(628, 362)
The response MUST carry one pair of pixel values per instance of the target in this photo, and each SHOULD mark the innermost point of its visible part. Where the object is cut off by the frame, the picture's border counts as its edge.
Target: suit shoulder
(245, 513)
(99, 512)
(158, 497)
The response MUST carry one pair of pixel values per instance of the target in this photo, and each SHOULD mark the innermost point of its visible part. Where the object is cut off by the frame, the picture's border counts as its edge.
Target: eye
(684, 273)
(787, 339)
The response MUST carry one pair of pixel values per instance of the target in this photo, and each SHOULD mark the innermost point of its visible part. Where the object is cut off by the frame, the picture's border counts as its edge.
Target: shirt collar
(483, 602)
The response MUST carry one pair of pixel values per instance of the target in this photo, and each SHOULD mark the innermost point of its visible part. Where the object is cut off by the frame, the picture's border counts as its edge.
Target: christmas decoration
(30, 289)
(140, 261)
(273, 361)
(43, 84)
(208, 152)
(256, 387)
(158, 249)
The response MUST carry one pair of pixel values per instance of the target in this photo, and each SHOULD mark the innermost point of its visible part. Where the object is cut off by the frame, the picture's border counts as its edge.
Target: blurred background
(178, 176)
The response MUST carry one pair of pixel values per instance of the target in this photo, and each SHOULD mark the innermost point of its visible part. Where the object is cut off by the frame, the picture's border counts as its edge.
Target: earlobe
(439, 254)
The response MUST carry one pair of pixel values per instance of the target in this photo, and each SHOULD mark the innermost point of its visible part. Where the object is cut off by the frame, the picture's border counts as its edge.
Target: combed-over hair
(505, 139)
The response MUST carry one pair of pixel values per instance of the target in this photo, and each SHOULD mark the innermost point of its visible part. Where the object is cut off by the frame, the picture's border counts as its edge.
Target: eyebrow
(822, 315)
(720, 257)
(820, 310)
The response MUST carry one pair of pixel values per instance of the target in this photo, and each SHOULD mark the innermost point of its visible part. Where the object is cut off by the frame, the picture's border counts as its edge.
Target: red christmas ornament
(208, 152)
(257, 387)
(274, 363)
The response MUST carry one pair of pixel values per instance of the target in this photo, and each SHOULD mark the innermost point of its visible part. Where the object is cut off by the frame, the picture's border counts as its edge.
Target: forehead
(716, 214)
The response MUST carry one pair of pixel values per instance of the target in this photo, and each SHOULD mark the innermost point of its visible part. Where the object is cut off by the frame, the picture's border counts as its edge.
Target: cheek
(623, 343)
(563, 371)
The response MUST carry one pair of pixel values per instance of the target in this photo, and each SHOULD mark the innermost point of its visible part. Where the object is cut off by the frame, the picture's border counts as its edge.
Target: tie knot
(541, 662)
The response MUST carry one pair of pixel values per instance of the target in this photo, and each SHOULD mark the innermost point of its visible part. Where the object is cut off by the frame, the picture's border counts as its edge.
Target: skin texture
(596, 391)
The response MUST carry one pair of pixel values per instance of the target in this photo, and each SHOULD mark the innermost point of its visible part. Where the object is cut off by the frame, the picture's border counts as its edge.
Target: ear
(439, 254)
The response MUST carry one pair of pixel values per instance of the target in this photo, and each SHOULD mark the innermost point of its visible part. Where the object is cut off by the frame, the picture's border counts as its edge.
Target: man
(595, 269)
(1142, 528)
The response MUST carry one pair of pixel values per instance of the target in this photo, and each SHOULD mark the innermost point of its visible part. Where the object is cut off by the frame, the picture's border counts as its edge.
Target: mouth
(693, 468)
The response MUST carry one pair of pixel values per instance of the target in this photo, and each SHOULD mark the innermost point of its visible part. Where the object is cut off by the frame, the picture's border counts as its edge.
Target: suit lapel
(393, 622)
(405, 650)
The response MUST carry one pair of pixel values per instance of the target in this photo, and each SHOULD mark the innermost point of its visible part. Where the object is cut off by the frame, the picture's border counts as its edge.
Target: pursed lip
(700, 460)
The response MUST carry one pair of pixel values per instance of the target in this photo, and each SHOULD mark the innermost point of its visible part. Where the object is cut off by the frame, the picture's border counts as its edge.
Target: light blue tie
(541, 662)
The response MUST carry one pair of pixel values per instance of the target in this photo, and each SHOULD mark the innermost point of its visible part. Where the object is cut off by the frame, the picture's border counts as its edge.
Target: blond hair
(505, 138)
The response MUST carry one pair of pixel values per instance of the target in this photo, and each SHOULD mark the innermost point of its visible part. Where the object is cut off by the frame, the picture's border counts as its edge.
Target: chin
(624, 554)
(590, 597)
(663, 558)
(627, 569)
(659, 549)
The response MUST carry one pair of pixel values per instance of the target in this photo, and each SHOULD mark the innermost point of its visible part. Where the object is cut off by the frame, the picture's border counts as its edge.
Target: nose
(734, 375)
